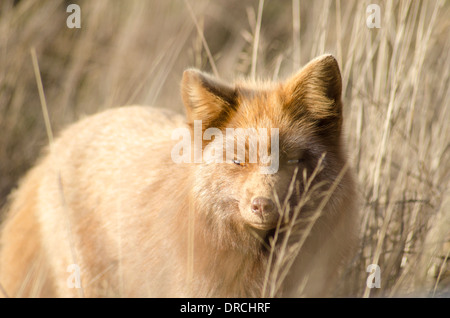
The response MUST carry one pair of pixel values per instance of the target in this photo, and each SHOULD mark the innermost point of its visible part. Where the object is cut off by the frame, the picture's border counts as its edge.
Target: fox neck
(233, 261)
(222, 257)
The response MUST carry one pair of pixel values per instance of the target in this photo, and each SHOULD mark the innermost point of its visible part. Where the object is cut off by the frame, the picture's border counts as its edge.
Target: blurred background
(396, 97)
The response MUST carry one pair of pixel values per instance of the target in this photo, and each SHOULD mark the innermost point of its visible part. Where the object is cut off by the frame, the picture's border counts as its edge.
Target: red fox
(110, 210)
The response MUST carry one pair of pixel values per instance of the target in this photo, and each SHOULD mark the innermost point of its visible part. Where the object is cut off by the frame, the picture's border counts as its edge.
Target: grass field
(396, 81)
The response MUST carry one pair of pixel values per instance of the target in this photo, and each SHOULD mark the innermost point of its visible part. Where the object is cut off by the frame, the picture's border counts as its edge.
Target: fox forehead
(267, 108)
(261, 113)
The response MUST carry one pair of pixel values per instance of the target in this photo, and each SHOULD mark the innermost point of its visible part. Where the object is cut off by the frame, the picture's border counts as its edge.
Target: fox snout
(262, 206)
(261, 212)
(257, 200)
(265, 209)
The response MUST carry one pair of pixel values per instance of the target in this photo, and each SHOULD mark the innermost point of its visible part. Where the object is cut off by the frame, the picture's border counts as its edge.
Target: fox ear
(315, 91)
(206, 98)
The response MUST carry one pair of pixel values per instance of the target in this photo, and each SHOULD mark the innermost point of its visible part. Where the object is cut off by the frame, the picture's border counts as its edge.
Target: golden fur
(109, 198)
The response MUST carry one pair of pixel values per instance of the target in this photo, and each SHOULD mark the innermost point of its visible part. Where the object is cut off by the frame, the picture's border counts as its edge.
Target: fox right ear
(316, 90)
(206, 98)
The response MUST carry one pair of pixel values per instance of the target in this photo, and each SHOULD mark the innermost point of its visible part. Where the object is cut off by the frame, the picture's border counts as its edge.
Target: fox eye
(300, 158)
(238, 162)
(295, 161)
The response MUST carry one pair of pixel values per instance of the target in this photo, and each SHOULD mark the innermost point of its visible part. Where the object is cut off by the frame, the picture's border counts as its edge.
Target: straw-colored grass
(396, 83)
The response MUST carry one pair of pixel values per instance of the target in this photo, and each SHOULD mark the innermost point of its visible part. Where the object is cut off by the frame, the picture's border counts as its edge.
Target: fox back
(139, 201)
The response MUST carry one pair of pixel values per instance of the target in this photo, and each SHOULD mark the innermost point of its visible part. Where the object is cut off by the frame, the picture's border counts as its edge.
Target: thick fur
(109, 198)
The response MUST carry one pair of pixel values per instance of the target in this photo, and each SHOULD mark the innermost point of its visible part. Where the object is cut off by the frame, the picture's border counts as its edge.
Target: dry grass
(396, 98)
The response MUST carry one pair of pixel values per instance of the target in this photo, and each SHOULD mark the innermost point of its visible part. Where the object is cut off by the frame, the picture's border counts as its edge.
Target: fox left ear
(315, 91)
(206, 98)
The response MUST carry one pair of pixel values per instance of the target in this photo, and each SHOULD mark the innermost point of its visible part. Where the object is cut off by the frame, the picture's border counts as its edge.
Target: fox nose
(262, 205)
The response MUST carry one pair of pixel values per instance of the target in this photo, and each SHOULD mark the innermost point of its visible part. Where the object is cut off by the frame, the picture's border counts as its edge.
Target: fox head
(306, 113)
